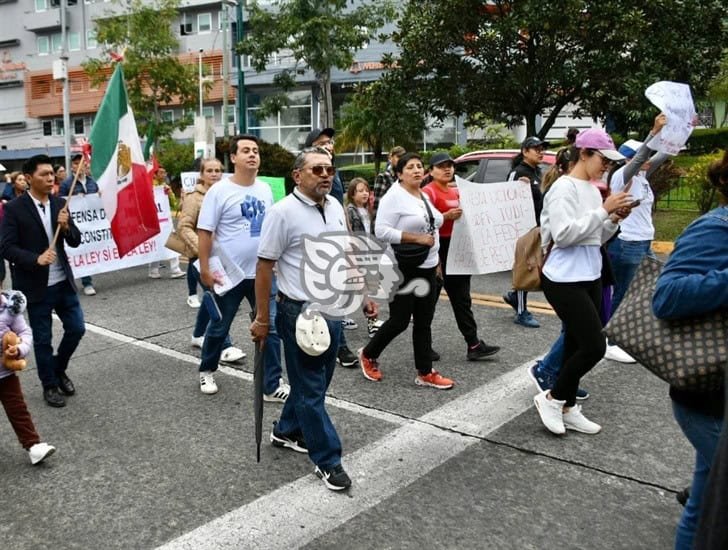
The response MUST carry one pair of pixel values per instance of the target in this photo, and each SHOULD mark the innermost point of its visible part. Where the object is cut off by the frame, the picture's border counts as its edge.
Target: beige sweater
(187, 223)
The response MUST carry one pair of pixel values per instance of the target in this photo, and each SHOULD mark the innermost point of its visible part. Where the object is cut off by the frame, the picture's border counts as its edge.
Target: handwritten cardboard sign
(494, 216)
(675, 100)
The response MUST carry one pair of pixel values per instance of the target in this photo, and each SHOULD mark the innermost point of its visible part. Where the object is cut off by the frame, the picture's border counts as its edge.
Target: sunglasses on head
(321, 169)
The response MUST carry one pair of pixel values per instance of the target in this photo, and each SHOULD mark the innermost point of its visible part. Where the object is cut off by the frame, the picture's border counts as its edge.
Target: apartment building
(31, 107)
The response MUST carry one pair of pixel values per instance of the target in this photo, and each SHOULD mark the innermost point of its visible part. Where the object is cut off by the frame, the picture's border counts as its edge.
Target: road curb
(662, 247)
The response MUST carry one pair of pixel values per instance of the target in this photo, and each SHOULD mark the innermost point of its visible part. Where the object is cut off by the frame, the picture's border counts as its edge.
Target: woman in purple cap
(574, 224)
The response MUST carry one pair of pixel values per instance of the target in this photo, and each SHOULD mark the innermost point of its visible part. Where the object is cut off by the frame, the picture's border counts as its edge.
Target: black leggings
(401, 309)
(578, 305)
(458, 291)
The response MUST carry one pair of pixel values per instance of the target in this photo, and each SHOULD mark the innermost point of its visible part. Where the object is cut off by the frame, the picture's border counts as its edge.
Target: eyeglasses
(321, 169)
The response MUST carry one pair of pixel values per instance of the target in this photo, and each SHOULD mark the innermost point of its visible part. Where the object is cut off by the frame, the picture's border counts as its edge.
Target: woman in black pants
(576, 222)
(405, 215)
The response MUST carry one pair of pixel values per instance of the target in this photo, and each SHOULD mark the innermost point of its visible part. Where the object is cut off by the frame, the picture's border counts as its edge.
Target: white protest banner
(188, 180)
(494, 216)
(675, 100)
(97, 252)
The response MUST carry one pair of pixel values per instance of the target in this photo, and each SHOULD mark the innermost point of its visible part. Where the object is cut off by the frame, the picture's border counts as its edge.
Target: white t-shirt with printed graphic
(235, 213)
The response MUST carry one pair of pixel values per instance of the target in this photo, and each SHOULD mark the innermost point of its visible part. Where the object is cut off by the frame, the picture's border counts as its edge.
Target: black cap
(76, 156)
(314, 134)
(533, 141)
(439, 158)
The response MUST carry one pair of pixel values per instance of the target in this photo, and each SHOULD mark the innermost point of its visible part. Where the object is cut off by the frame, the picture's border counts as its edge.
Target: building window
(74, 41)
(208, 112)
(41, 5)
(58, 127)
(91, 42)
(167, 115)
(231, 114)
(289, 127)
(56, 42)
(78, 126)
(44, 45)
(204, 23)
(47, 128)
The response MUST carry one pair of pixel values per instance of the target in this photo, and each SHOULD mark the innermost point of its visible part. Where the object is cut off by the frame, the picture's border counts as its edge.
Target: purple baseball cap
(596, 138)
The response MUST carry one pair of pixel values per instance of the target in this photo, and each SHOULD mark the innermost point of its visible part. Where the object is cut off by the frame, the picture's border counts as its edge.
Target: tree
(319, 34)
(380, 115)
(154, 75)
(513, 60)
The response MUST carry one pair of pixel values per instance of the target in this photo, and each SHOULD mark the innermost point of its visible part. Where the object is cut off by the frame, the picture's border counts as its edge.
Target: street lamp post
(66, 91)
(241, 100)
(199, 68)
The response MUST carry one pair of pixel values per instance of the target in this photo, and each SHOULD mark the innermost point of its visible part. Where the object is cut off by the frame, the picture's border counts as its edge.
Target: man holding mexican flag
(118, 166)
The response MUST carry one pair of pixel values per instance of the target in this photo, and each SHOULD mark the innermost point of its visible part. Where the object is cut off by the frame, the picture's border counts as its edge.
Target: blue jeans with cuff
(304, 411)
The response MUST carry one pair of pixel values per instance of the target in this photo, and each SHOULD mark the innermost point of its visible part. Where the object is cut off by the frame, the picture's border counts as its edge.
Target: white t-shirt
(638, 225)
(235, 214)
(400, 211)
(291, 218)
(56, 274)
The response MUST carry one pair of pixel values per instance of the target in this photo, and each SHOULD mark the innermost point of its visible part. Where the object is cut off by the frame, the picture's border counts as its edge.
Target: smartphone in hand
(209, 303)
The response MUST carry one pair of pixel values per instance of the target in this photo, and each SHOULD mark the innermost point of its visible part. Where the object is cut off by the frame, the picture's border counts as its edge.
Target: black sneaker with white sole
(346, 358)
(334, 478)
(293, 442)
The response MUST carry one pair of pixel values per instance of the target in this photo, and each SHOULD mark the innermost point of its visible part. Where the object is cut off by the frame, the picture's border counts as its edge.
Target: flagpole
(68, 199)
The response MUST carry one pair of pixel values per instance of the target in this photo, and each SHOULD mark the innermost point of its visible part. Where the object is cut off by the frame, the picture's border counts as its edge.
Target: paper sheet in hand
(222, 268)
(675, 100)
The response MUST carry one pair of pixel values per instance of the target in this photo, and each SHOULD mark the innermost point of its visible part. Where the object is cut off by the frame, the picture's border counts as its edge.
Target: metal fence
(678, 198)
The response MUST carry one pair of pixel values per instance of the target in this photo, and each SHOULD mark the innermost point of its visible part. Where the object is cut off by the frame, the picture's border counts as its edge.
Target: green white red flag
(117, 165)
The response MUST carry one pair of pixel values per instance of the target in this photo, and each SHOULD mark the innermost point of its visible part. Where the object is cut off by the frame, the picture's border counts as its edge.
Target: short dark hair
(403, 160)
(76, 156)
(31, 165)
(242, 137)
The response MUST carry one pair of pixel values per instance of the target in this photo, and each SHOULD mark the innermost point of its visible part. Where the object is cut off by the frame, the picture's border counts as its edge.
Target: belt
(280, 297)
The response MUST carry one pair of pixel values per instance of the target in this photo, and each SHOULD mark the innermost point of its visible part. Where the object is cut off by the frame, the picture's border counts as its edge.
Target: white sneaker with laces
(89, 290)
(232, 354)
(197, 341)
(551, 412)
(349, 324)
(39, 452)
(280, 395)
(615, 353)
(207, 383)
(575, 420)
(177, 274)
(193, 301)
(154, 274)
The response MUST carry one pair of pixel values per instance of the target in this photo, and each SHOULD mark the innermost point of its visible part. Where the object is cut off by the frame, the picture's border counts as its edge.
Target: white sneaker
(193, 301)
(177, 274)
(349, 324)
(232, 354)
(551, 412)
(615, 353)
(280, 395)
(575, 420)
(207, 383)
(39, 452)
(154, 274)
(89, 290)
(197, 341)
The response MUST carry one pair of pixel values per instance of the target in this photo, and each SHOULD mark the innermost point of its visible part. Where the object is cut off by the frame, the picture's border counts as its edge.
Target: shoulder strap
(429, 212)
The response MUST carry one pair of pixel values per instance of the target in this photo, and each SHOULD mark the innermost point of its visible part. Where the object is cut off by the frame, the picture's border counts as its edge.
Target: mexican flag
(118, 166)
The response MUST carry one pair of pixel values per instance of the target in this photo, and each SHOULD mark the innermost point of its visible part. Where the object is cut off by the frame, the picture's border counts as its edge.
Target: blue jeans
(62, 299)
(703, 432)
(86, 281)
(304, 411)
(550, 365)
(626, 257)
(203, 317)
(217, 332)
(192, 278)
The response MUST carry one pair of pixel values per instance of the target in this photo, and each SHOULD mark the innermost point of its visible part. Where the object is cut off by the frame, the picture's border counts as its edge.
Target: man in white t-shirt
(304, 425)
(232, 216)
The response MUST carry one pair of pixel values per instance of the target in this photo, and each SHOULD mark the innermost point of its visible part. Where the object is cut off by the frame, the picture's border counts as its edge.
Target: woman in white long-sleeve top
(406, 215)
(575, 223)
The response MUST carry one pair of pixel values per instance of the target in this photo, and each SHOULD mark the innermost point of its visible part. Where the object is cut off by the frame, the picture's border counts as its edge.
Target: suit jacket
(23, 239)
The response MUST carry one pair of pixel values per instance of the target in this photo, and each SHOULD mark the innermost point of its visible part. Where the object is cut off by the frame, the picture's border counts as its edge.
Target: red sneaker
(435, 380)
(369, 367)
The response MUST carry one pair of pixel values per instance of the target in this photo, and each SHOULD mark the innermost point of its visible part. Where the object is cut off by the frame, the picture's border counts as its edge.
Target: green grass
(670, 223)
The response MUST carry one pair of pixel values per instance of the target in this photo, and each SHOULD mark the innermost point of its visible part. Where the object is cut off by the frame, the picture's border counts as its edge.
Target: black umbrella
(259, 365)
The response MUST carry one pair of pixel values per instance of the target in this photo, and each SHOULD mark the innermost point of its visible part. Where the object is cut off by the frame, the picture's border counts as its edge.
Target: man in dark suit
(43, 274)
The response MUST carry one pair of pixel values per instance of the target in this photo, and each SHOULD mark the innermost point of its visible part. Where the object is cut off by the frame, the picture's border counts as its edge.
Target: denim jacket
(695, 278)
